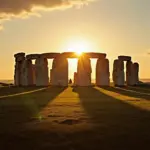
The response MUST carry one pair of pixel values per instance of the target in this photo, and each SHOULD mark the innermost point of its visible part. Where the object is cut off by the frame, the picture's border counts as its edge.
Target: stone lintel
(69, 55)
(124, 58)
(87, 54)
(19, 56)
(32, 56)
(95, 55)
(49, 55)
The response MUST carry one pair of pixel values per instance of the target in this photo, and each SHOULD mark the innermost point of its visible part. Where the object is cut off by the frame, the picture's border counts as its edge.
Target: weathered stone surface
(41, 74)
(102, 72)
(69, 55)
(86, 54)
(49, 55)
(75, 78)
(129, 73)
(19, 54)
(27, 73)
(84, 71)
(118, 73)
(19, 57)
(18, 74)
(59, 72)
(95, 55)
(34, 73)
(32, 56)
(124, 58)
(136, 73)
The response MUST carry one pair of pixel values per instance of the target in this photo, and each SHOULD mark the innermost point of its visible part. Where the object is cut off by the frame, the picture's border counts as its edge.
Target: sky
(114, 27)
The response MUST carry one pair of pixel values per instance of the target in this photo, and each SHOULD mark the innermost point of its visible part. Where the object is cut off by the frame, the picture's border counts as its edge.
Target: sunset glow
(69, 26)
(78, 46)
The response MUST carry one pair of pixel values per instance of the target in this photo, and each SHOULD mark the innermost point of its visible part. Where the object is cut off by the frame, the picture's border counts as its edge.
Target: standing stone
(115, 70)
(59, 71)
(41, 72)
(136, 73)
(51, 76)
(129, 73)
(75, 78)
(18, 73)
(27, 73)
(118, 73)
(84, 71)
(33, 73)
(102, 72)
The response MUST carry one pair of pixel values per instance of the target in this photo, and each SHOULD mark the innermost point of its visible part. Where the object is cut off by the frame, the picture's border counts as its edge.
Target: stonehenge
(27, 73)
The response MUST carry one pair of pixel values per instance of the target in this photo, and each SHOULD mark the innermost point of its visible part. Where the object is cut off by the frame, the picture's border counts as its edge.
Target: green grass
(82, 118)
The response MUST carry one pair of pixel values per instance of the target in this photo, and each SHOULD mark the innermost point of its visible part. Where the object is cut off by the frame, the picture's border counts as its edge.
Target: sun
(79, 53)
(78, 46)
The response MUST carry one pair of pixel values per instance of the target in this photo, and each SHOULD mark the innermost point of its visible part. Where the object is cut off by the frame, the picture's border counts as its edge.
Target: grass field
(75, 118)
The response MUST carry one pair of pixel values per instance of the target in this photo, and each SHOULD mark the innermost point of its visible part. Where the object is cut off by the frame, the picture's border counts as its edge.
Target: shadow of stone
(145, 89)
(14, 90)
(17, 110)
(118, 125)
(129, 92)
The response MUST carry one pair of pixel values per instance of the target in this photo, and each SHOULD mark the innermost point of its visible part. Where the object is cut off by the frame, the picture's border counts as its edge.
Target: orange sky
(110, 26)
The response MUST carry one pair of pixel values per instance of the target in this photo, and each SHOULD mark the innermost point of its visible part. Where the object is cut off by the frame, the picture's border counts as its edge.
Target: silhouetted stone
(95, 55)
(84, 71)
(129, 73)
(124, 58)
(18, 73)
(75, 78)
(41, 72)
(102, 72)
(49, 55)
(32, 56)
(136, 73)
(27, 73)
(118, 73)
(59, 72)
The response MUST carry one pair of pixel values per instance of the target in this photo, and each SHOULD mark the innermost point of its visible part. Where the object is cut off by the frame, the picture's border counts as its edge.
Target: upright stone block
(41, 72)
(75, 78)
(102, 72)
(136, 73)
(27, 73)
(33, 73)
(18, 73)
(84, 71)
(118, 73)
(129, 73)
(59, 72)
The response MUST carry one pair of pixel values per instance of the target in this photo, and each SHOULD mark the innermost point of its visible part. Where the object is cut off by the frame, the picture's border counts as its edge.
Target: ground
(75, 118)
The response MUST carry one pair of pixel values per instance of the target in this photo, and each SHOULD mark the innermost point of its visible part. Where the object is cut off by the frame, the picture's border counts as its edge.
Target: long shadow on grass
(118, 125)
(124, 91)
(14, 90)
(17, 110)
(145, 89)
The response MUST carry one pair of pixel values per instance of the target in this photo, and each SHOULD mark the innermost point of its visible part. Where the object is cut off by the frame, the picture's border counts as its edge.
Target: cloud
(12, 8)
(24, 8)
